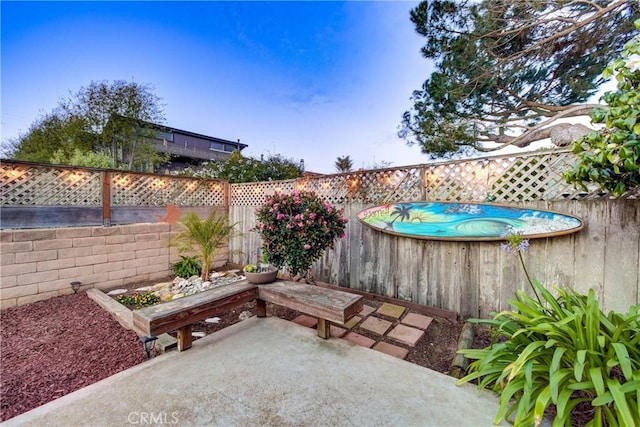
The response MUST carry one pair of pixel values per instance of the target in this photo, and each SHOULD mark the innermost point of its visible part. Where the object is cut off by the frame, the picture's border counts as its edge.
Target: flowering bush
(297, 228)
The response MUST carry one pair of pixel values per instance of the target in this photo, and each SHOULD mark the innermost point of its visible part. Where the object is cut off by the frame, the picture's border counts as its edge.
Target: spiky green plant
(560, 350)
(204, 237)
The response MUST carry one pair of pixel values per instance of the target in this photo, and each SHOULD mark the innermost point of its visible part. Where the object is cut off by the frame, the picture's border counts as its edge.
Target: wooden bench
(328, 305)
(181, 313)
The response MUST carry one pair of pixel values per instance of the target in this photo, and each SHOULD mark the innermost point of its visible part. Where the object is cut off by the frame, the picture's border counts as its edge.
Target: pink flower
(306, 246)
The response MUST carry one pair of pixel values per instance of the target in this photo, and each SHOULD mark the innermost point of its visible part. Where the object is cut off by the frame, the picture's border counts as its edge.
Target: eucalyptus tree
(507, 70)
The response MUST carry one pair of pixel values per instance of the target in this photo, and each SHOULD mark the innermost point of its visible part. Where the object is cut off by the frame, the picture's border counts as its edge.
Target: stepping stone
(376, 325)
(165, 342)
(391, 310)
(391, 350)
(337, 331)
(406, 334)
(360, 340)
(353, 322)
(117, 292)
(417, 320)
(367, 310)
(304, 320)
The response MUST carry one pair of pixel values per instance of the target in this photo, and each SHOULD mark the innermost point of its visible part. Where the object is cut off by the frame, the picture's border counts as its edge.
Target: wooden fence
(471, 278)
(36, 196)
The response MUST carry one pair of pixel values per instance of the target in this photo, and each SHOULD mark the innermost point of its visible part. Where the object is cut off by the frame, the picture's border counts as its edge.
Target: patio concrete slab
(270, 372)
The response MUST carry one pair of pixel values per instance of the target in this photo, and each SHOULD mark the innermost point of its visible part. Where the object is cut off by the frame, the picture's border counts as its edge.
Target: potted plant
(261, 273)
(296, 229)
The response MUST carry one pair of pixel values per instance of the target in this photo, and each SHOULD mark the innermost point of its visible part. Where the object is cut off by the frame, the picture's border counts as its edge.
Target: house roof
(165, 128)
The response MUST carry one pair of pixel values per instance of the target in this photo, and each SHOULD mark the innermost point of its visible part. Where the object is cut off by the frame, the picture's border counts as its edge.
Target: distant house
(189, 148)
(185, 148)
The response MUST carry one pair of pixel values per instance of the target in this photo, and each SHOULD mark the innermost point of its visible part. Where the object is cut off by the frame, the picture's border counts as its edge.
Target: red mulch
(51, 348)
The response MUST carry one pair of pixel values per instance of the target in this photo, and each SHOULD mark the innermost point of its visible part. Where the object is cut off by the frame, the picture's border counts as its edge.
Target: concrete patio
(271, 372)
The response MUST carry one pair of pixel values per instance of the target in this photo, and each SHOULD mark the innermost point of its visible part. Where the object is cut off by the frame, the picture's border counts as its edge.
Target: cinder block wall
(40, 264)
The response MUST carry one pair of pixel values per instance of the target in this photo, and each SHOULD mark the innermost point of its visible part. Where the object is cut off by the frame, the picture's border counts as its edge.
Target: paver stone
(391, 350)
(406, 334)
(304, 320)
(367, 310)
(360, 340)
(353, 322)
(376, 325)
(417, 320)
(391, 310)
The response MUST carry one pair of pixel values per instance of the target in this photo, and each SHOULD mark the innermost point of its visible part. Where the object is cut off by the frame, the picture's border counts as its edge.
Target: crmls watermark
(152, 418)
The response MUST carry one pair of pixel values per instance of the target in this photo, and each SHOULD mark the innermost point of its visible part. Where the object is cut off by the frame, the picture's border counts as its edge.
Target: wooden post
(184, 338)
(261, 308)
(106, 199)
(324, 328)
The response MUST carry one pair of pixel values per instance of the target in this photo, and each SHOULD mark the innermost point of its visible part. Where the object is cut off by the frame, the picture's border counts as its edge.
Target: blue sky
(308, 80)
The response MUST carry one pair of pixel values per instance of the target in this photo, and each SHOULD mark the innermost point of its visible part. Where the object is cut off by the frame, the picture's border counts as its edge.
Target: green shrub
(188, 266)
(611, 157)
(564, 351)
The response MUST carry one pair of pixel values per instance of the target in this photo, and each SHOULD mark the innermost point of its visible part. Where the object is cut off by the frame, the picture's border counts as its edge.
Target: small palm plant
(204, 237)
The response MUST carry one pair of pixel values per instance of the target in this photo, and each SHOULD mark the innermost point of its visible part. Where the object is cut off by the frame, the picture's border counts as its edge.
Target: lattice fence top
(531, 177)
(157, 190)
(30, 185)
(514, 178)
(375, 186)
(24, 184)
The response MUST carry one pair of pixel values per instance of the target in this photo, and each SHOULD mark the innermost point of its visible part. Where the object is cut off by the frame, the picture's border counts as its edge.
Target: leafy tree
(238, 168)
(507, 70)
(51, 133)
(116, 112)
(344, 164)
(83, 158)
(611, 157)
(103, 118)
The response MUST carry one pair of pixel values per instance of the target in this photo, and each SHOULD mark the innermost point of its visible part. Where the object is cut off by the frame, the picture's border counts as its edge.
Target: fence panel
(471, 278)
(37, 196)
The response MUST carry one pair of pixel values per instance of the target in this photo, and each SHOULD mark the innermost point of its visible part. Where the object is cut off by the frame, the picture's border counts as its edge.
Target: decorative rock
(164, 285)
(117, 292)
(199, 334)
(144, 289)
(212, 320)
(245, 315)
